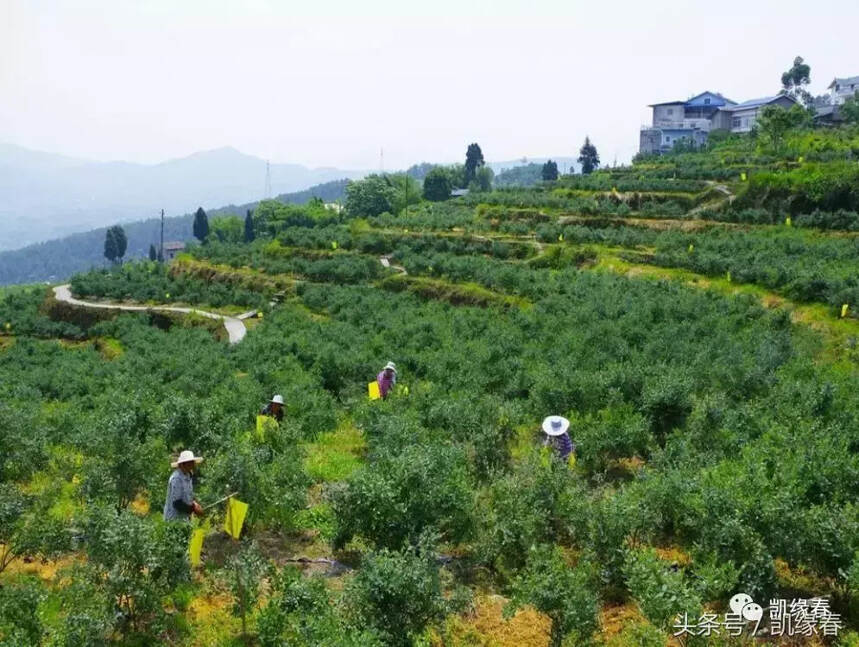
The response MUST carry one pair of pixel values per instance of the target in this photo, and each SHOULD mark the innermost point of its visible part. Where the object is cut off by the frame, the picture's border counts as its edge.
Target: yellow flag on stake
(236, 512)
(373, 390)
(844, 311)
(195, 546)
(263, 423)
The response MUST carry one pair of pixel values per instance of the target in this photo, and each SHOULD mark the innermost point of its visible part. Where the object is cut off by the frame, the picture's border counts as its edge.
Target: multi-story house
(842, 89)
(692, 120)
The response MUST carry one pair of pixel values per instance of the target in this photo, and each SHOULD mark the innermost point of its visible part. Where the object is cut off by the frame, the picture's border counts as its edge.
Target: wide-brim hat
(390, 365)
(278, 399)
(187, 456)
(556, 425)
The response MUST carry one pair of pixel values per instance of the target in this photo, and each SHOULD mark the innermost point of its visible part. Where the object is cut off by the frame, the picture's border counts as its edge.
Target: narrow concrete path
(386, 262)
(235, 327)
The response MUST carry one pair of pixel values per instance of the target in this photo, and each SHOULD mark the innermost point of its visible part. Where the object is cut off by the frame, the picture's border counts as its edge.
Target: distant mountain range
(72, 202)
(45, 196)
(56, 260)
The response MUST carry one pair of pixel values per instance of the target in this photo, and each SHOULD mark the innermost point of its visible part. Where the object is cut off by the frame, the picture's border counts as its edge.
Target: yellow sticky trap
(195, 546)
(571, 460)
(743, 177)
(263, 423)
(787, 221)
(167, 296)
(691, 248)
(546, 456)
(728, 276)
(844, 309)
(235, 519)
(333, 244)
(373, 390)
(560, 238)
(801, 159)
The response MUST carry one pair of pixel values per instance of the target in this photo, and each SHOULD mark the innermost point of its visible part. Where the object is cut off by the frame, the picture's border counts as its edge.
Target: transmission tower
(267, 194)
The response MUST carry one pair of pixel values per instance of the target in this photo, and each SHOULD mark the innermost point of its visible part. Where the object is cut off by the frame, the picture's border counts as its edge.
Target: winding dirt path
(234, 325)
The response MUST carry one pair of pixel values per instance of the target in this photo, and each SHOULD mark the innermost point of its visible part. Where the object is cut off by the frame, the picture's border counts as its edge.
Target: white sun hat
(390, 365)
(187, 456)
(278, 399)
(555, 425)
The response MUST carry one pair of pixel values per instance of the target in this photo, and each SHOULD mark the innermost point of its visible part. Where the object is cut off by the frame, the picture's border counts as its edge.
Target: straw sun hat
(555, 425)
(392, 366)
(278, 399)
(187, 456)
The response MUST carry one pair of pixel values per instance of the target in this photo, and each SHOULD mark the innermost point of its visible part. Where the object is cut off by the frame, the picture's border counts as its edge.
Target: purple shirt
(563, 444)
(386, 382)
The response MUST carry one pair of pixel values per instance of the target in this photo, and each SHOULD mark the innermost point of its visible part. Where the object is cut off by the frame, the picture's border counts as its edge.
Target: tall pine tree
(588, 157)
(153, 255)
(201, 225)
(473, 161)
(249, 227)
(550, 171)
(110, 252)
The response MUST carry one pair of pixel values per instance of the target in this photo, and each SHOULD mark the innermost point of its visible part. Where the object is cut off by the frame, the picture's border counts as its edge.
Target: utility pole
(161, 253)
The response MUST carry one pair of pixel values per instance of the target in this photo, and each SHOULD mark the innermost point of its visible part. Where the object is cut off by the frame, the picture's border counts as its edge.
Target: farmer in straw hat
(555, 428)
(387, 379)
(274, 408)
(180, 503)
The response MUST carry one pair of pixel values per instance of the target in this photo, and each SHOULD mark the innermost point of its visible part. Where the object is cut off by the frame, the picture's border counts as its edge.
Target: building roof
(713, 94)
(756, 103)
(458, 192)
(174, 245)
(691, 99)
(850, 80)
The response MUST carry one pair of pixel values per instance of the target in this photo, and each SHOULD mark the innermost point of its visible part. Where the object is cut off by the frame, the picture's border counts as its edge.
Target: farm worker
(180, 503)
(387, 379)
(274, 408)
(555, 428)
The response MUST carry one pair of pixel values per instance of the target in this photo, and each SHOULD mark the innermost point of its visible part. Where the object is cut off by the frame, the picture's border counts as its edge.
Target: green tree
(372, 196)
(473, 161)
(775, 122)
(850, 109)
(115, 244)
(249, 227)
(437, 185)
(407, 190)
(153, 255)
(482, 181)
(795, 81)
(398, 594)
(110, 252)
(563, 593)
(228, 229)
(382, 505)
(201, 225)
(245, 572)
(588, 157)
(300, 613)
(549, 171)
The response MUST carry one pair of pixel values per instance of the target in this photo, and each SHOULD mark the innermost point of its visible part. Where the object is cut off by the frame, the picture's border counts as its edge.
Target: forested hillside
(56, 260)
(694, 316)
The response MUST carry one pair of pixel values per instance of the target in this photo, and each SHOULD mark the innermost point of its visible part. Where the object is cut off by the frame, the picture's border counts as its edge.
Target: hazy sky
(327, 82)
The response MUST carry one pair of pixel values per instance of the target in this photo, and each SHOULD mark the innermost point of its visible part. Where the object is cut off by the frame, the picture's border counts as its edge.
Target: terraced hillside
(694, 316)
